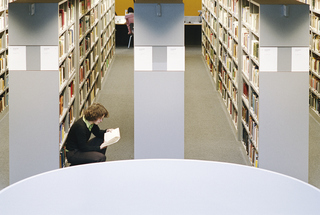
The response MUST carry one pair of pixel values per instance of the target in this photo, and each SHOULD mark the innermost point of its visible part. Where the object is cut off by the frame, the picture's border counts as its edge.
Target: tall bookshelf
(4, 72)
(231, 47)
(314, 73)
(75, 43)
(86, 49)
(230, 43)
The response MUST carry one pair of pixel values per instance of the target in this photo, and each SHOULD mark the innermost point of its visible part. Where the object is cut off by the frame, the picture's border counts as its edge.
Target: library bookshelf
(230, 46)
(4, 72)
(75, 44)
(86, 49)
(314, 73)
(232, 41)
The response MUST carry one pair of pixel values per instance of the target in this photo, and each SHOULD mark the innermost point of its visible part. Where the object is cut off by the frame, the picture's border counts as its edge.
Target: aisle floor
(209, 133)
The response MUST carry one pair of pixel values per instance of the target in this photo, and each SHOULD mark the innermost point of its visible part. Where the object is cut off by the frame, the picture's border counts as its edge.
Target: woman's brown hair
(95, 111)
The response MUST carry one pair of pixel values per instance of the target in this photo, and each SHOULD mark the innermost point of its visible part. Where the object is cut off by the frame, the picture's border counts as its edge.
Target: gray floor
(209, 134)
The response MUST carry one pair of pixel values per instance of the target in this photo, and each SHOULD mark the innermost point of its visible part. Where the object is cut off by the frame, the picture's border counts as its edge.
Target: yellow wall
(191, 7)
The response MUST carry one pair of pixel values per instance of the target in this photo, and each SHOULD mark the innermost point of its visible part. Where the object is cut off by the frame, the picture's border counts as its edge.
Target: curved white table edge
(160, 186)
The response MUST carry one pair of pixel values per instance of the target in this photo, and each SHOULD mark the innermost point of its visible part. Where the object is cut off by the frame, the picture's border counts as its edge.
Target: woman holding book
(80, 148)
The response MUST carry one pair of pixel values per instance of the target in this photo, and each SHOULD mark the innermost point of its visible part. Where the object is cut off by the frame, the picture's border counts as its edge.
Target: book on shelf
(70, 11)
(2, 103)
(81, 74)
(61, 45)
(255, 76)
(62, 19)
(2, 85)
(62, 75)
(245, 38)
(71, 90)
(255, 22)
(61, 104)
(71, 36)
(245, 65)
(255, 48)
(315, 65)
(245, 90)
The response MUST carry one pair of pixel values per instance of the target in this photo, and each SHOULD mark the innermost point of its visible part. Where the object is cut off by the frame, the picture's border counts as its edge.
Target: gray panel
(33, 58)
(158, 115)
(38, 29)
(277, 30)
(33, 123)
(159, 58)
(284, 59)
(149, 29)
(284, 123)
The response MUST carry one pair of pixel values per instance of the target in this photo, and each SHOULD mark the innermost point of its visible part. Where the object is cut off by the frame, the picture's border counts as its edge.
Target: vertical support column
(34, 89)
(284, 75)
(159, 65)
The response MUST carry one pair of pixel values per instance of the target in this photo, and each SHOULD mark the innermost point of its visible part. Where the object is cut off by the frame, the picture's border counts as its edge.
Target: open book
(110, 137)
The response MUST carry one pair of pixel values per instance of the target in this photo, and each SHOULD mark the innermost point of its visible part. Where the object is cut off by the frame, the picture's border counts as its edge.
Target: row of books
(315, 65)
(66, 97)
(209, 61)
(255, 76)
(315, 5)
(245, 115)
(209, 34)
(231, 5)
(229, 94)
(253, 154)
(211, 6)
(85, 6)
(108, 49)
(4, 41)
(65, 125)
(86, 89)
(255, 104)
(210, 19)
(66, 69)
(229, 84)
(254, 131)
(315, 22)
(314, 102)
(62, 19)
(107, 18)
(84, 70)
(3, 102)
(66, 15)
(3, 63)
(252, 19)
(105, 6)
(315, 83)
(3, 21)
(2, 85)
(232, 110)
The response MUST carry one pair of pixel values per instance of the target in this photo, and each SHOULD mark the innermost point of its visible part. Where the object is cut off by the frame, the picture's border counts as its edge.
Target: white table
(160, 187)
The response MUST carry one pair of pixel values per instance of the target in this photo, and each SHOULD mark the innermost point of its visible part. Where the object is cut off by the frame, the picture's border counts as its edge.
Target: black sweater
(79, 134)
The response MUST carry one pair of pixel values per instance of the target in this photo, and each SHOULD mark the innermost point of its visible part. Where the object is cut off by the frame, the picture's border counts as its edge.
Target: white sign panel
(175, 58)
(143, 58)
(17, 58)
(268, 59)
(49, 57)
(300, 59)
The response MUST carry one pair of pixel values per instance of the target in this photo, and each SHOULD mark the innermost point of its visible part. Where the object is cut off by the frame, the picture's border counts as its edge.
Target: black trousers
(77, 157)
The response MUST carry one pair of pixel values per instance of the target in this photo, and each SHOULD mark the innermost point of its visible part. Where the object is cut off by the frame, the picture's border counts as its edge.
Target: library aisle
(209, 133)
